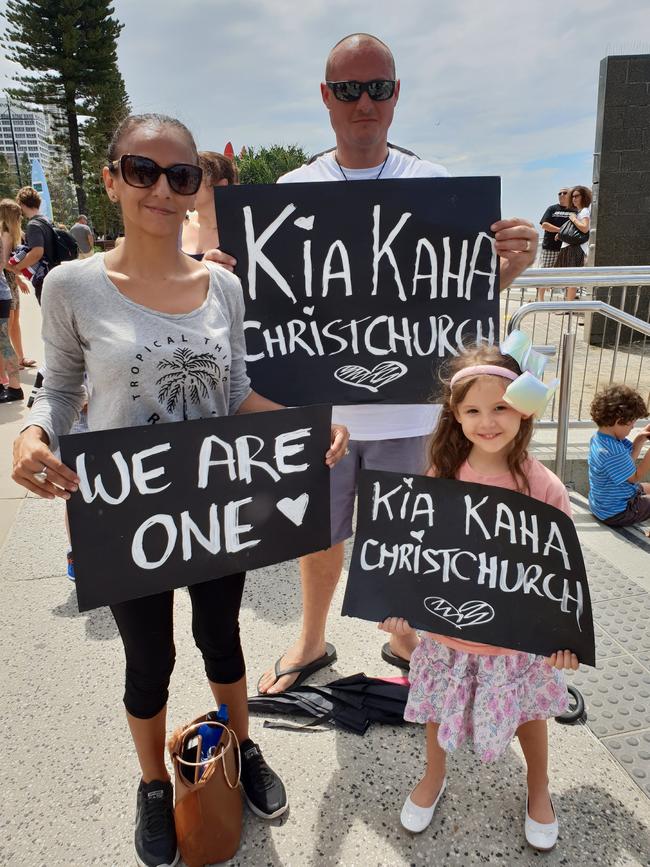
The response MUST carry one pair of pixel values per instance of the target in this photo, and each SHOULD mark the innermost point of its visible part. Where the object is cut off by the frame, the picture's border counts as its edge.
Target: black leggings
(147, 630)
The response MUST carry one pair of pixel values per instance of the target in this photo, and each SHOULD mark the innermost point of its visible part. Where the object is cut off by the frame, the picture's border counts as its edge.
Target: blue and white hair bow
(527, 393)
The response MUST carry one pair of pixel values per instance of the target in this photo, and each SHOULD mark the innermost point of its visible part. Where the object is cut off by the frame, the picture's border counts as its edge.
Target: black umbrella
(351, 703)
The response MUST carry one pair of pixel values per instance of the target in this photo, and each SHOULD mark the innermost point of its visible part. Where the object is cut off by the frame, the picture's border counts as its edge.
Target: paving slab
(72, 772)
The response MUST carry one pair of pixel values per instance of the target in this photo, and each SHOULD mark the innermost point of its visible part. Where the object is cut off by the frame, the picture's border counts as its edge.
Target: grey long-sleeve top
(143, 366)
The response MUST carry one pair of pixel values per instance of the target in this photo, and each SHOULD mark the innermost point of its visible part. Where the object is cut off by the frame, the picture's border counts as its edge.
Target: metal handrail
(635, 275)
(575, 308)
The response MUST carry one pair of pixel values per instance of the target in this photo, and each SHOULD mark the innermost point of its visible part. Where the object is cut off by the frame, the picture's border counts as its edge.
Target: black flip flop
(393, 659)
(303, 671)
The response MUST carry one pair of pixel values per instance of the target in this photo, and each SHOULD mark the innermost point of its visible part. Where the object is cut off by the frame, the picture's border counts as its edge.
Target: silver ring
(41, 477)
(527, 246)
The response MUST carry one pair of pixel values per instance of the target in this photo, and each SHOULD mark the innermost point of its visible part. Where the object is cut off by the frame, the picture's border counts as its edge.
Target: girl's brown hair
(10, 219)
(449, 448)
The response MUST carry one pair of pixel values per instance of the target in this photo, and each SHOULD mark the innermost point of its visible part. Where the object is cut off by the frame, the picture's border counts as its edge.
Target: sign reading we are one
(356, 292)
(170, 505)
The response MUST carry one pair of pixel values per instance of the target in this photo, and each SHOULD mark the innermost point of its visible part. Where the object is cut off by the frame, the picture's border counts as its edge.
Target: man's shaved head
(351, 43)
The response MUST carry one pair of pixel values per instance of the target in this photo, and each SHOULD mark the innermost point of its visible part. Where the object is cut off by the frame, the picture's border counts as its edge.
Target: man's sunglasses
(563, 192)
(379, 89)
(183, 178)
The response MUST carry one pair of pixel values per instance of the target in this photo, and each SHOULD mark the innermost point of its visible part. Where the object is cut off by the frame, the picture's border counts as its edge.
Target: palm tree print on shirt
(190, 377)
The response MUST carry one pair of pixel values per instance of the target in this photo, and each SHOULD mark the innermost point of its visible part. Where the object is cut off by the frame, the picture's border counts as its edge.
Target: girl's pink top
(544, 486)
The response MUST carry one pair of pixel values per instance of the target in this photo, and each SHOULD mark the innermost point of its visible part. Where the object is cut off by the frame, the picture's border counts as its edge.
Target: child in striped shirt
(616, 494)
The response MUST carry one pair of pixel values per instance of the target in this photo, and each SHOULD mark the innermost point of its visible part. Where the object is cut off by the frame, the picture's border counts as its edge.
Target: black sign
(355, 292)
(470, 561)
(169, 505)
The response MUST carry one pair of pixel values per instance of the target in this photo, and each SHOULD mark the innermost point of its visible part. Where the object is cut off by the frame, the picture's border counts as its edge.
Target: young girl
(98, 314)
(460, 689)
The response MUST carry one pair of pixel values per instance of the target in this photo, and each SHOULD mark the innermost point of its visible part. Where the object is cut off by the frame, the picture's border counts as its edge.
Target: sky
(488, 87)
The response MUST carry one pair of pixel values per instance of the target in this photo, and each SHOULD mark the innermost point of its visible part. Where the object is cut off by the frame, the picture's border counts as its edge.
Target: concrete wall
(620, 218)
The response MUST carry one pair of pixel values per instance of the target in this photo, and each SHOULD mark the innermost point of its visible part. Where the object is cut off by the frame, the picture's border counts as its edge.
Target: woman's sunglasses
(183, 178)
(378, 90)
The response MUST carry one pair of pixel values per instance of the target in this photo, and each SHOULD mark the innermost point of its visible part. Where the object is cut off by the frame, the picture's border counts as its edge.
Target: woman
(575, 255)
(147, 289)
(9, 363)
(10, 220)
(200, 231)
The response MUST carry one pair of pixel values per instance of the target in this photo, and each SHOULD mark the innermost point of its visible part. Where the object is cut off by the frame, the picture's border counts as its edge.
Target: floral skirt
(481, 699)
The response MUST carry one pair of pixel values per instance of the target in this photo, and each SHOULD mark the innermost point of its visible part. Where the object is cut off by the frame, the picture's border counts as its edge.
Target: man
(83, 236)
(39, 240)
(381, 437)
(551, 221)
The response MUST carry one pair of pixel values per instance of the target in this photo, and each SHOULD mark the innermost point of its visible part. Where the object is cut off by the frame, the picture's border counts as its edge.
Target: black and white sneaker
(155, 832)
(263, 789)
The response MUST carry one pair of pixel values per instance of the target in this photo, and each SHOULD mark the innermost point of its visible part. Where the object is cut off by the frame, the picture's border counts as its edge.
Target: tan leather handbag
(208, 811)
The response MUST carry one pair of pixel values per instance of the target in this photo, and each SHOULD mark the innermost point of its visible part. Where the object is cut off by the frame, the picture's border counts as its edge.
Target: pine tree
(266, 164)
(112, 107)
(67, 52)
(25, 169)
(8, 178)
(62, 193)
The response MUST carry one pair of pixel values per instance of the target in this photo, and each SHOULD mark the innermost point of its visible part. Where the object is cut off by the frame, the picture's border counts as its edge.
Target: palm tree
(191, 376)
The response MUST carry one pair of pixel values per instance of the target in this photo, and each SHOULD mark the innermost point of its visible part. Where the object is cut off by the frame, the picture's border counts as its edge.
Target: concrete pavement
(69, 772)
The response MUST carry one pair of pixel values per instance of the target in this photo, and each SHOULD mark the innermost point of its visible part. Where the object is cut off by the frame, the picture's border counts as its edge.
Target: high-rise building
(32, 130)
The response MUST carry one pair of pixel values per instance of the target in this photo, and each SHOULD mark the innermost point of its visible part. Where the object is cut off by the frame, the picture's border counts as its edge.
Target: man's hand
(221, 258)
(515, 241)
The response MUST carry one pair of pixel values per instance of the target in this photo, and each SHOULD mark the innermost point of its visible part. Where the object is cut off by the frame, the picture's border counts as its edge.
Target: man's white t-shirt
(376, 421)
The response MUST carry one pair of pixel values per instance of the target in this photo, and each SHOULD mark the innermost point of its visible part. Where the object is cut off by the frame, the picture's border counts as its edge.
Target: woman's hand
(563, 659)
(36, 468)
(339, 445)
(23, 285)
(396, 626)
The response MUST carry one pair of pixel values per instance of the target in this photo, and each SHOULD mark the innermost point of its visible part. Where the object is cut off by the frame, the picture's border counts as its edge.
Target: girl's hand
(339, 445)
(32, 458)
(396, 626)
(23, 285)
(563, 659)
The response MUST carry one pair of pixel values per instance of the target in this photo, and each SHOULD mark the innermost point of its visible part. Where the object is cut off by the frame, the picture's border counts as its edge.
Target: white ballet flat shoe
(415, 818)
(541, 836)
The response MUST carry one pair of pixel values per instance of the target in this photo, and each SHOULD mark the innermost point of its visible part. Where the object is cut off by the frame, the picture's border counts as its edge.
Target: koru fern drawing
(190, 378)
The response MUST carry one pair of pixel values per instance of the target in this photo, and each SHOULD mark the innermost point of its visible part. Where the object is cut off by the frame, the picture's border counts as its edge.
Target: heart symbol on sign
(308, 310)
(295, 509)
(408, 482)
(381, 374)
(304, 223)
(471, 613)
(417, 534)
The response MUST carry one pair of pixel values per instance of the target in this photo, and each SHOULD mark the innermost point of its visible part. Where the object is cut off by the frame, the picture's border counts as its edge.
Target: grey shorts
(406, 455)
(637, 510)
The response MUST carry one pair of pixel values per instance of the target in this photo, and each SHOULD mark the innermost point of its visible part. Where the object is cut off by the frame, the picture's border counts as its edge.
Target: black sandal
(303, 671)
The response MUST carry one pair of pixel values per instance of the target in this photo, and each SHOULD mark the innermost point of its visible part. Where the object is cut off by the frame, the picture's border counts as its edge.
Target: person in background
(552, 219)
(8, 357)
(83, 236)
(39, 241)
(10, 222)
(617, 495)
(575, 255)
(200, 230)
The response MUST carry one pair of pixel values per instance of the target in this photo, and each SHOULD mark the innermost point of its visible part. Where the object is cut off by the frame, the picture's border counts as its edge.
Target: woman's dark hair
(585, 196)
(449, 448)
(133, 121)
(617, 403)
(217, 167)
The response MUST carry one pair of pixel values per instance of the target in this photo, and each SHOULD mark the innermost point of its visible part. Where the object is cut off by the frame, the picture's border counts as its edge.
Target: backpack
(65, 247)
